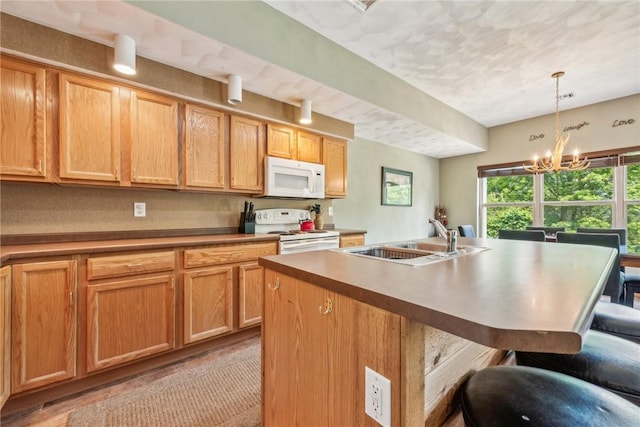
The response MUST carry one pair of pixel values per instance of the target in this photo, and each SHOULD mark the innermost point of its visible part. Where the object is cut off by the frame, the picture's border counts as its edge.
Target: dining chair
(619, 231)
(466, 230)
(614, 287)
(531, 235)
(547, 230)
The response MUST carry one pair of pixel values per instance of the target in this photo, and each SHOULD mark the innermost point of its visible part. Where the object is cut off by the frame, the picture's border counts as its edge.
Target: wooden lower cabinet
(316, 346)
(208, 303)
(129, 319)
(351, 240)
(43, 323)
(250, 285)
(5, 334)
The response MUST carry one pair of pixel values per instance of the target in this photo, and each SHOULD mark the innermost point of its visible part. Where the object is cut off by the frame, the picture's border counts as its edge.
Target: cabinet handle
(328, 307)
(276, 286)
(134, 264)
(39, 167)
(117, 173)
(71, 301)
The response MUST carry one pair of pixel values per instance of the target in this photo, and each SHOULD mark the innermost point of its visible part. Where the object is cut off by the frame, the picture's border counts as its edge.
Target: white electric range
(286, 223)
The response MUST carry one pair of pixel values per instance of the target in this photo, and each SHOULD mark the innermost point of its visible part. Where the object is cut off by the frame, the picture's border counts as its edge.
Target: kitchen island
(329, 314)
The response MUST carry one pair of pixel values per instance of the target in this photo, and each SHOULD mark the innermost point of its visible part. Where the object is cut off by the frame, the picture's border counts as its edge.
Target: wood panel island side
(327, 315)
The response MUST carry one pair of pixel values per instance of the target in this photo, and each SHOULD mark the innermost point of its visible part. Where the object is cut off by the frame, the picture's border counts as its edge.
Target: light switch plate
(139, 209)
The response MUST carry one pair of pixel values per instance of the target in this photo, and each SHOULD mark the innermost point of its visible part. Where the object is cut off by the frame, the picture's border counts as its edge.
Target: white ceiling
(490, 60)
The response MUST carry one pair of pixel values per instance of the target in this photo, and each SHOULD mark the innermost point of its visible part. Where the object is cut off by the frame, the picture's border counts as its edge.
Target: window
(632, 205)
(606, 195)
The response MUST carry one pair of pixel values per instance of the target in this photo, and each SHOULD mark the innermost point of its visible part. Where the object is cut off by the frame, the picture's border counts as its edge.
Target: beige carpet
(223, 392)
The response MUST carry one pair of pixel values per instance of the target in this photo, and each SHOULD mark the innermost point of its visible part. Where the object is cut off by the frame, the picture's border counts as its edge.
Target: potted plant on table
(318, 220)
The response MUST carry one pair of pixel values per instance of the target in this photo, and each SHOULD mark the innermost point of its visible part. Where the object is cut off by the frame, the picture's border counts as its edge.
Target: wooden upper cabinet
(204, 148)
(281, 141)
(5, 334)
(309, 147)
(154, 139)
(246, 154)
(22, 121)
(334, 158)
(43, 323)
(89, 129)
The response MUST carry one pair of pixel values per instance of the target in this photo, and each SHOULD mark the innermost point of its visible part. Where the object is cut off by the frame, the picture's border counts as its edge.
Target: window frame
(619, 203)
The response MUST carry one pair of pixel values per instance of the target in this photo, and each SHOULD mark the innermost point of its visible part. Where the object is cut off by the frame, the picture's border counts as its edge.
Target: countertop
(517, 295)
(32, 250)
(31, 246)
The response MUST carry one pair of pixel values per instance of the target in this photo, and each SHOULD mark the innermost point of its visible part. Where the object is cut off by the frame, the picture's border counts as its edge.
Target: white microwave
(293, 178)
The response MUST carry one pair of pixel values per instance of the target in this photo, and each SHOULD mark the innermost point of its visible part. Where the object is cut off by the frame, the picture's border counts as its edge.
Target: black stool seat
(512, 396)
(605, 360)
(618, 320)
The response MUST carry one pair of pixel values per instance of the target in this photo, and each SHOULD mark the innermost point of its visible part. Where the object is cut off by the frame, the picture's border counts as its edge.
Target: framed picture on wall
(397, 187)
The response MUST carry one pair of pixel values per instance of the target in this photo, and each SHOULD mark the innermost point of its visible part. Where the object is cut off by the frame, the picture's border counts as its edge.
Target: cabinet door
(128, 320)
(296, 354)
(204, 148)
(334, 158)
(154, 139)
(5, 334)
(351, 240)
(208, 303)
(281, 142)
(246, 154)
(281, 329)
(309, 147)
(89, 129)
(43, 324)
(22, 120)
(250, 284)
(316, 346)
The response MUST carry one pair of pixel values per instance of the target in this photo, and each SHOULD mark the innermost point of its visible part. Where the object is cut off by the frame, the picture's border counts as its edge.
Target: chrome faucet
(450, 236)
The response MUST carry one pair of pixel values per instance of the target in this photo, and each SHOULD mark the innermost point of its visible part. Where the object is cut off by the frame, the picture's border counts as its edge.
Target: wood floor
(55, 414)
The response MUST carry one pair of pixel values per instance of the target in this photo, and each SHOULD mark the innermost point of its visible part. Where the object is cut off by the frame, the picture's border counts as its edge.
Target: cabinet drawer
(125, 265)
(226, 254)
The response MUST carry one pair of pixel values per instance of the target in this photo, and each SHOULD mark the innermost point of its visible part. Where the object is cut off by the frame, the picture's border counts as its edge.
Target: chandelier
(552, 162)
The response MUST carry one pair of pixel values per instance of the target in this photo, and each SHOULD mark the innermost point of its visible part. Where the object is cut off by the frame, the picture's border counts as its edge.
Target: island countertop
(516, 295)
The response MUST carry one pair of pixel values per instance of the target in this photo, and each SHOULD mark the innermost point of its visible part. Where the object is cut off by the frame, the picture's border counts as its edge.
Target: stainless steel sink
(414, 253)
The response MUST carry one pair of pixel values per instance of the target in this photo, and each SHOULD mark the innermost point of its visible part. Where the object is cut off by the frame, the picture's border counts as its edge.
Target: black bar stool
(605, 360)
(618, 320)
(513, 396)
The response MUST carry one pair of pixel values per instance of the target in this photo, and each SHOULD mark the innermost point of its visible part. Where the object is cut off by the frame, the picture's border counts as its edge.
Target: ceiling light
(552, 162)
(234, 89)
(124, 57)
(305, 112)
(362, 5)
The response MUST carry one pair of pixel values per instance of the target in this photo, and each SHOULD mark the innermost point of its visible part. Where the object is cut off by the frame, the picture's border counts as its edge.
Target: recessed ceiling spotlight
(362, 5)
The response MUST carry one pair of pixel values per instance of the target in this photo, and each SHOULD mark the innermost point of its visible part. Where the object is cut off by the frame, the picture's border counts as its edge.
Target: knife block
(246, 227)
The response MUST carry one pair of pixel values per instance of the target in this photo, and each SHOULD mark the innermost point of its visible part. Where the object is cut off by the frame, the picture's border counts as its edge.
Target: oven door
(306, 245)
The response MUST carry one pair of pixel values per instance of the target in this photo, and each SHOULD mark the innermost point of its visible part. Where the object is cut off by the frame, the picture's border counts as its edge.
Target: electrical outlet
(139, 209)
(330, 210)
(377, 397)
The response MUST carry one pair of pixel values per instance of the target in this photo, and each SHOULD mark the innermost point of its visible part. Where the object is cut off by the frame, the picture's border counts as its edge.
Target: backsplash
(47, 208)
